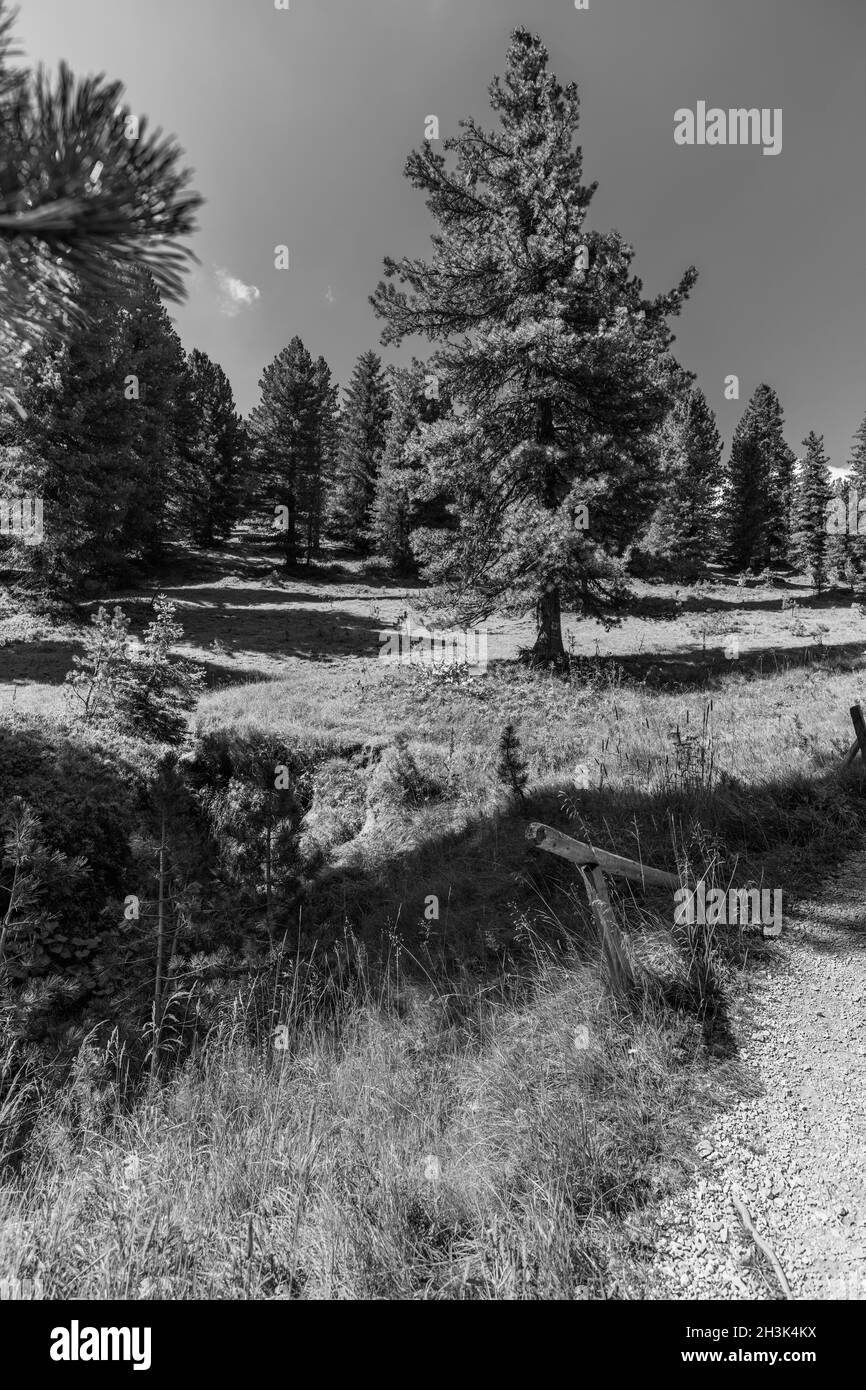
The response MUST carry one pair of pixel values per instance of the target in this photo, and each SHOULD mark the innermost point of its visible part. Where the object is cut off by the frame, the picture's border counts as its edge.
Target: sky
(297, 124)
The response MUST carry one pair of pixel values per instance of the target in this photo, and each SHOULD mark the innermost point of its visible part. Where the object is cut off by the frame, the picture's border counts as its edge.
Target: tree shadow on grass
(490, 887)
(270, 625)
(706, 668)
(48, 662)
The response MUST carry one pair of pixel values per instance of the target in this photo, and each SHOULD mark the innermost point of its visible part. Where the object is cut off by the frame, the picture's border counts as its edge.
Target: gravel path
(795, 1152)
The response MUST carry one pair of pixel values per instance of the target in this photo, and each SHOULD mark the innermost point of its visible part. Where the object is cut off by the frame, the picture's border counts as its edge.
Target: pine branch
(80, 203)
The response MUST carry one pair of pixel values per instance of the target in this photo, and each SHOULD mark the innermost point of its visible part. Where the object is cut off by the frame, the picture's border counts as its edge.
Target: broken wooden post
(860, 730)
(598, 862)
(618, 964)
(544, 837)
(851, 754)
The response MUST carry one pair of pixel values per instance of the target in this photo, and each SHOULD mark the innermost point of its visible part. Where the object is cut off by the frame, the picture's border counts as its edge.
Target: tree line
(760, 509)
(134, 444)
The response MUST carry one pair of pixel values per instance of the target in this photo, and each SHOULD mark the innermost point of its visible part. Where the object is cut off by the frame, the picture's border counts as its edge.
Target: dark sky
(298, 124)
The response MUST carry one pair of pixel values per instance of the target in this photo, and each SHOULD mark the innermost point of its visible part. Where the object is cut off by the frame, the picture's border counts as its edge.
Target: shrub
(254, 792)
(154, 691)
(94, 676)
(146, 691)
(404, 777)
(339, 804)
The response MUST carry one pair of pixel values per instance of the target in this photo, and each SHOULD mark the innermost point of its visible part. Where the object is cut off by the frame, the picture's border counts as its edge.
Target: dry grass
(422, 1145)
(467, 1112)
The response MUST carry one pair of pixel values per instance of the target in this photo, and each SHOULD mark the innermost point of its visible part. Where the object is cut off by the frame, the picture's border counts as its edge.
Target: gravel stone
(795, 1156)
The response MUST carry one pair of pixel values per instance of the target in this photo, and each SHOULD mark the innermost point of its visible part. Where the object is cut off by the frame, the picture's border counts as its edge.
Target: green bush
(412, 778)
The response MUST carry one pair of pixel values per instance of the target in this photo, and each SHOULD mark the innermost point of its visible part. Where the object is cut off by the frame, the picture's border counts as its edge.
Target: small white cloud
(234, 294)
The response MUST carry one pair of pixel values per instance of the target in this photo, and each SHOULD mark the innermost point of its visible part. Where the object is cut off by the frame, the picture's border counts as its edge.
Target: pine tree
(365, 414)
(153, 388)
(857, 478)
(841, 541)
(757, 503)
(153, 690)
(857, 461)
(683, 528)
(215, 448)
(28, 901)
(552, 356)
(290, 427)
(100, 444)
(94, 678)
(815, 493)
(512, 768)
(317, 481)
(400, 502)
(74, 449)
(139, 686)
(85, 192)
(780, 467)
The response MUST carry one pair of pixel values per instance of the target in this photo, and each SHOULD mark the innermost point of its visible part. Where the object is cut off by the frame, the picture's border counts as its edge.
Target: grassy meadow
(395, 1100)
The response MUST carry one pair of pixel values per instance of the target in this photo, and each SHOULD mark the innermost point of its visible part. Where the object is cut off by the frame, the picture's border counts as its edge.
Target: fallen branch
(762, 1246)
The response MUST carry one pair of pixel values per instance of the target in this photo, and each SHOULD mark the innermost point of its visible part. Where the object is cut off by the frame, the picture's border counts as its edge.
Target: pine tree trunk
(290, 544)
(548, 648)
(291, 547)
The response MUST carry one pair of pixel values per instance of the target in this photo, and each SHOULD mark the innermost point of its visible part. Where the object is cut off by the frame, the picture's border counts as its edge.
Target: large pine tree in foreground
(551, 354)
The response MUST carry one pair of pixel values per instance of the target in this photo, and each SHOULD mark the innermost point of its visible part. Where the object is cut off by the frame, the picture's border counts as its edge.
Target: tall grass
(414, 1142)
(462, 1109)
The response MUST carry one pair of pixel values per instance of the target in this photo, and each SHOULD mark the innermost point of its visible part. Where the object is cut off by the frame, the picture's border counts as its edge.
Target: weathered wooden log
(544, 837)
